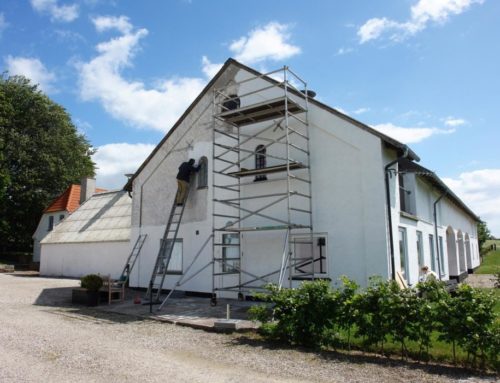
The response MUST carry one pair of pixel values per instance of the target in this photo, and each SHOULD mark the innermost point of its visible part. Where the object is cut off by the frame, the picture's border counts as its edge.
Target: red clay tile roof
(69, 200)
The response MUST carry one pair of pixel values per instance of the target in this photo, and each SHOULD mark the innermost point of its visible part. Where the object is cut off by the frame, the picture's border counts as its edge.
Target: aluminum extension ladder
(166, 248)
(132, 258)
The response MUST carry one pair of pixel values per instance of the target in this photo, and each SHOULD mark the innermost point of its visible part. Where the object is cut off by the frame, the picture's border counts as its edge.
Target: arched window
(260, 161)
(203, 173)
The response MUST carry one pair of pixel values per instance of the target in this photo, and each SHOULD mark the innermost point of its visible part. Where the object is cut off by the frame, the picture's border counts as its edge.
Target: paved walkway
(481, 280)
(187, 311)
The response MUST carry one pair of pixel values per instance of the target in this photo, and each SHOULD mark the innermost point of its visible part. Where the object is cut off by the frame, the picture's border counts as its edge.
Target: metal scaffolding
(261, 120)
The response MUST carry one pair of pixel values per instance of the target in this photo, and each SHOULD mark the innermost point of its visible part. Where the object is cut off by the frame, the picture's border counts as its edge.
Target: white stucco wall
(43, 229)
(79, 259)
(348, 200)
(449, 216)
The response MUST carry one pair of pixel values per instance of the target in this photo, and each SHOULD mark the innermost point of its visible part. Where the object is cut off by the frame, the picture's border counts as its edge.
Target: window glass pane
(420, 249)
(302, 255)
(260, 161)
(175, 264)
(441, 256)
(203, 173)
(51, 223)
(230, 254)
(403, 251)
(433, 256)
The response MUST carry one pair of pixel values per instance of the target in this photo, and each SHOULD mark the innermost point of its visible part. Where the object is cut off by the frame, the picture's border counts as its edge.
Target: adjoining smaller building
(94, 239)
(60, 208)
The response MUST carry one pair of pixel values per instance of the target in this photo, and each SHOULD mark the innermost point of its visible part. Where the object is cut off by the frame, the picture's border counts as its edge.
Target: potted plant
(88, 293)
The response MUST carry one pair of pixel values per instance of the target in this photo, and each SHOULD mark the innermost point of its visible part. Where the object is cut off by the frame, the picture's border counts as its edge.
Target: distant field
(490, 242)
(491, 262)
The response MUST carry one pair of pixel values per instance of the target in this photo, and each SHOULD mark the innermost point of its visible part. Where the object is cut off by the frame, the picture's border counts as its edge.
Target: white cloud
(422, 13)
(269, 42)
(101, 79)
(33, 69)
(409, 135)
(344, 51)
(480, 190)
(451, 121)
(115, 160)
(104, 23)
(63, 13)
(361, 110)
(3, 23)
(210, 69)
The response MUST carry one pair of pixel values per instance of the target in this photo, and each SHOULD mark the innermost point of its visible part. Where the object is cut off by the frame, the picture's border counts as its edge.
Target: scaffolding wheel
(241, 297)
(213, 300)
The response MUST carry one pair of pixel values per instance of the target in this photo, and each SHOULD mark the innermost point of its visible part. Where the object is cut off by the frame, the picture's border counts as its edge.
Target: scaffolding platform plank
(266, 228)
(267, 170)
(267, 110)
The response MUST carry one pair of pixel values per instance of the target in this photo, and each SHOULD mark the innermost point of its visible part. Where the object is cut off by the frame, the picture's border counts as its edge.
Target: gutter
(388, 173)
(436, 231)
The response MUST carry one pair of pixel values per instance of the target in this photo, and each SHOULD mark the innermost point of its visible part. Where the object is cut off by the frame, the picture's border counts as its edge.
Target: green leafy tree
(41, 154)
(483, 233)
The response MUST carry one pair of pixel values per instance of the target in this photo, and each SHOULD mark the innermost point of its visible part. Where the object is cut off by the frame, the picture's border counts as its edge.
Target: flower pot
(85, 297)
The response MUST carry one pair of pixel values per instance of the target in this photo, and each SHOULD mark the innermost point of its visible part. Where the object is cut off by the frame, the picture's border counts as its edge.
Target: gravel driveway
(43, 339)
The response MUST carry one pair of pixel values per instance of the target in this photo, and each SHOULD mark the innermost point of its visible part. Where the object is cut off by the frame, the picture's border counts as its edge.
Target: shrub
(475, 333)
(91, 282)
(372, 321)
(299, 316)
(315, 315)
(496, 277)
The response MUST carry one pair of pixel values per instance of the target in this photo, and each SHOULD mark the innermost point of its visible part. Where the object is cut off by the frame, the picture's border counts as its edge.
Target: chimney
(87, 189)
(309, 93)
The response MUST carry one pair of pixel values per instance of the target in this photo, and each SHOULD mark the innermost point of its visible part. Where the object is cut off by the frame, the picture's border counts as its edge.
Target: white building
(325, 182)
(60, 208)
(92, 240)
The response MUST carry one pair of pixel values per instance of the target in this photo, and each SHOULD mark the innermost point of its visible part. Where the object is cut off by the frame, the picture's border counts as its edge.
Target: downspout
(389, 213)
(436, 232)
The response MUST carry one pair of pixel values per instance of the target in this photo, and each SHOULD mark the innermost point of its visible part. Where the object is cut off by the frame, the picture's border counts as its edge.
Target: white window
(51, 223)
(433, 255)
(260, 161)
(407, 193)
(303, 263)
(230, 253)
(420, 249)
(203, 173)
(175, 264)
(441, 256)
(403, 253)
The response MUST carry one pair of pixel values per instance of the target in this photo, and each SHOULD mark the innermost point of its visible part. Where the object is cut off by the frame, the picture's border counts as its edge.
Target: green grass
(490, 263)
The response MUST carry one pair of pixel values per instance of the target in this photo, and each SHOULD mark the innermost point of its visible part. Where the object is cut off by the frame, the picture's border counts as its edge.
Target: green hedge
(382, 315)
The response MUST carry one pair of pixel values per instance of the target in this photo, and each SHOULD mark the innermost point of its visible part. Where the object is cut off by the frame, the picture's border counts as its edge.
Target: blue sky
(423, 71)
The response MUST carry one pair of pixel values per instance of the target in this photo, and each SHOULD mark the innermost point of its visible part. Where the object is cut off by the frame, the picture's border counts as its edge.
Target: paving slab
(193, 312)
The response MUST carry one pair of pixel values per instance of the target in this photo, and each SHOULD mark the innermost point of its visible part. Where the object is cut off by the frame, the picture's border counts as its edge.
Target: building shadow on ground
(58, 299)
(357, 357)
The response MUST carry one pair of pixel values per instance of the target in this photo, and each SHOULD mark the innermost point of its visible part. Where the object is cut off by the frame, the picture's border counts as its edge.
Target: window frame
(51, 223)
(323, 255)
(202, 176)
(441, 255)
(420, 249)
(176, 271)
(260, 161)
(403, 248)
(229, 267)
(433, 252)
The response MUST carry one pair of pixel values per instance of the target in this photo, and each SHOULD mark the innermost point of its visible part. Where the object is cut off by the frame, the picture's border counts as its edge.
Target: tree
(41, 154)
(483, 233)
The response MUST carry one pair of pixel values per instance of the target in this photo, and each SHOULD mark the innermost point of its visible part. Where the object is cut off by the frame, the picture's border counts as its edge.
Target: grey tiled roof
(104, 217)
